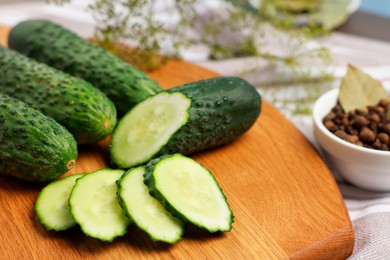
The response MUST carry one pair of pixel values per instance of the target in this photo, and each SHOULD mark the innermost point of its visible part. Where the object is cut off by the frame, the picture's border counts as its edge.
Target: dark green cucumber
(33, 146)
(146, 212)
(223, 109)
(189, 191)
(84, 110)
(185, 119)
(56, 46)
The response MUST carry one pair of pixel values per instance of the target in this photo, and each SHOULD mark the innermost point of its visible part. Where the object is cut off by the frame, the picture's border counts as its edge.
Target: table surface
(367, 25)
(369, 227)
(284, 198)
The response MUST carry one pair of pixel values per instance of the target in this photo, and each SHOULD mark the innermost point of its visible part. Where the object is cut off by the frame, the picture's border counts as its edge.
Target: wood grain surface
(285, 201)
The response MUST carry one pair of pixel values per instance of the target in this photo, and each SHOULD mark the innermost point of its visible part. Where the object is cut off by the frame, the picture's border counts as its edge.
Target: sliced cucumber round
(189, 191)
(146, 212)
(52, 206)
(147, 127)
(95, 207)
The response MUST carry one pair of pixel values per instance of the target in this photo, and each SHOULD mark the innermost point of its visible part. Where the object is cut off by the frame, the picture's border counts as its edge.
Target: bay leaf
(359, 90)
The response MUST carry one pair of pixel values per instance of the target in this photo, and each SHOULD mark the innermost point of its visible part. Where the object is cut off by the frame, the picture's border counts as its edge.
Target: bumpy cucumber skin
(223, 108)
(33, 146)
(149, 180)
(56, 46)
(84, 110)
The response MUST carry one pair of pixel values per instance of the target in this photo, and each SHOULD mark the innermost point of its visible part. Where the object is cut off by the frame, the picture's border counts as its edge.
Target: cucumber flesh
(189, 191)
(146, 212)
(94, 205)
(52, 206)
(203, 115)
(147, 127)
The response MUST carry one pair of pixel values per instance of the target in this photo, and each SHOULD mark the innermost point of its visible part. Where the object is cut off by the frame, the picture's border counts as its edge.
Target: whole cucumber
(33, 146)
(84, 110)
(58, 47)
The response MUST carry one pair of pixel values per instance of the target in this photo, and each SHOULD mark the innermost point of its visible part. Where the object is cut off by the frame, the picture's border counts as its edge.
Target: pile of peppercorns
(370, 128)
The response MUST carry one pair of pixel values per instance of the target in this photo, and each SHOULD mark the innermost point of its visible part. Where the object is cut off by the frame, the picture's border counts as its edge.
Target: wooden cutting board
(285, 201)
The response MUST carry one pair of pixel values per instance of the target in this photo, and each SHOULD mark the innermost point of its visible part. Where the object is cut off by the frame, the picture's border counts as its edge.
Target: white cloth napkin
(369, 211)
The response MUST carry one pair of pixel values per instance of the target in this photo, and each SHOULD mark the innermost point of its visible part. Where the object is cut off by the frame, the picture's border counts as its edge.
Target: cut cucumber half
(146, 212)
(52, 206)
(94, 205)
(185, 119)
(189, 191)
(142, 132)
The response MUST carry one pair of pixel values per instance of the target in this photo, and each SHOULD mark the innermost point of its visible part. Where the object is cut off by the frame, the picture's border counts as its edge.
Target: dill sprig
(124, 23)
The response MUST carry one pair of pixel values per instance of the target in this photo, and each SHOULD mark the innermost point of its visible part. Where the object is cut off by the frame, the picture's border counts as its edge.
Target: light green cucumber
(94, 205)
(52, 206)
(185, 119)
(189, 191)
(146, 212)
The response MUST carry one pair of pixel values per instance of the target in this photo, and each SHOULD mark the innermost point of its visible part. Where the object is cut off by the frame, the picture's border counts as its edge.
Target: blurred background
(377, 7)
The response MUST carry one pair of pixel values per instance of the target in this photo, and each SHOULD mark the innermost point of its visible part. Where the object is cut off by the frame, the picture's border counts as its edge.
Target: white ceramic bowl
(363, 167)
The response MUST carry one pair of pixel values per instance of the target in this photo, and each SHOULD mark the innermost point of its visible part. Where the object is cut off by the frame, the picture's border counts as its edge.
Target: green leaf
(359, 90)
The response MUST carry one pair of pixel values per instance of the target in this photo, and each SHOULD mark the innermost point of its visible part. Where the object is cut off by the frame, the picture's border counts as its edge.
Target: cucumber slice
(146, 212)
(95, 207)
(189, 191)
(147, 127)
(52, 206)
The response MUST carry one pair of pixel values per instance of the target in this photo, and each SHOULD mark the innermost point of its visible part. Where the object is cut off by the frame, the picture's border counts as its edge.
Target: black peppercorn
(386, 128)
(329, 116)
(360, 121)
(384, 103)
(383, 137)
(367, 135)
(368, 128)
(375, 118)
(341, 134)
(331, 126)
